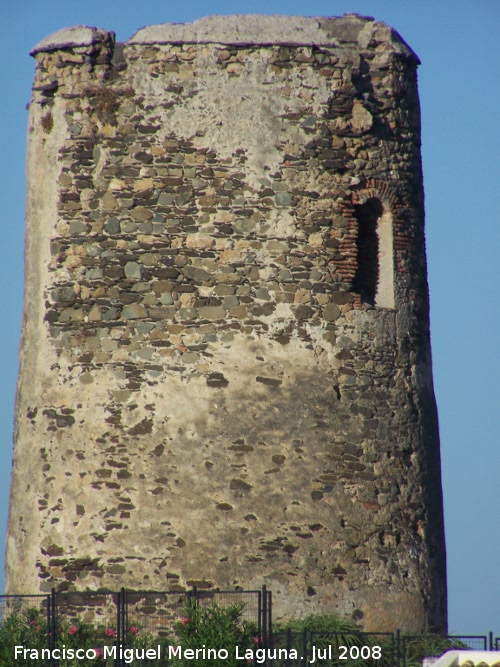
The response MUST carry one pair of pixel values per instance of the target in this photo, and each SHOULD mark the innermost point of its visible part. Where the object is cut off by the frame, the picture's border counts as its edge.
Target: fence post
(264, 616)
(259, 617)
(124, 615)
(120, 626)
(49, 623)
(398, 648)
(490, 640)
(270, 614)
(53, 625)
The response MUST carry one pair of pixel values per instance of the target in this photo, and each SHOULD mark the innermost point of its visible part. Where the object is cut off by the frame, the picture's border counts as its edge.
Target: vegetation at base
(324, 630)
(428, 646)
(215, 627)
(29, 629)
(199, 626)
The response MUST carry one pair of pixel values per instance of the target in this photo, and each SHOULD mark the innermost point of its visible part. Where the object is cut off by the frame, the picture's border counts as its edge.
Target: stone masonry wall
(205, 397)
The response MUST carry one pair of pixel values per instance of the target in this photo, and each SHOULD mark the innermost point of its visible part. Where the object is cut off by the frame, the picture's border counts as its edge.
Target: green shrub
(214, 627)
(324, 630)
(210, 627)
(29, 629)
(427, 646)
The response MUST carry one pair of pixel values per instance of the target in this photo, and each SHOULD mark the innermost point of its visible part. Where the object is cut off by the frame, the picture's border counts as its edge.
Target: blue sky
(457, 41)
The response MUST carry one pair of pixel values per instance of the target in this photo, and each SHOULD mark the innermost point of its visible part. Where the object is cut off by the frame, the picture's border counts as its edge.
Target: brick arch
(348, 247)
(375, 188)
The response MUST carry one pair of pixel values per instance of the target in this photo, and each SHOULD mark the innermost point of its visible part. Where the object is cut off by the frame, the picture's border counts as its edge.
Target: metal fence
(121, 618)
(334, 649)
(35, 612)
(298, 649)
(413, 649)
(117, 618)
(22, 604)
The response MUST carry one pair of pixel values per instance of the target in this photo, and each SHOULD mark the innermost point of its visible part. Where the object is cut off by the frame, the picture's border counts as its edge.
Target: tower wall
(225, 367)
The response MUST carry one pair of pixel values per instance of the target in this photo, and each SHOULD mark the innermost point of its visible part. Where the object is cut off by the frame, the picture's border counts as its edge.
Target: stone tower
(225, 367)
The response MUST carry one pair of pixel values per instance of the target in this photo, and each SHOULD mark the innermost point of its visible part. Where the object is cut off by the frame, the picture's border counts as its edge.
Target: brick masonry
(205, 397)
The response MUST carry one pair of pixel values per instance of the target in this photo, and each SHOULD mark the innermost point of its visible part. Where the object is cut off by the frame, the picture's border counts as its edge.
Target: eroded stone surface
(208, 388)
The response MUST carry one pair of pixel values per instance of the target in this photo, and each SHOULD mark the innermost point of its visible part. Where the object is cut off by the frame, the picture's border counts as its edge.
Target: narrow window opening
(374, 279)
(367, 273)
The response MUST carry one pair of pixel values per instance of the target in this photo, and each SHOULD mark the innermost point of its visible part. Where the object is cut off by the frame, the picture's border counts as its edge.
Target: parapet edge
(246, 29)
(239, 29)
(74, 36)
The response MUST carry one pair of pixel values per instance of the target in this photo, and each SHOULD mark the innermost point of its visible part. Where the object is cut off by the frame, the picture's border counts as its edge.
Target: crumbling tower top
(351, 30)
